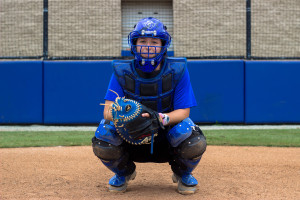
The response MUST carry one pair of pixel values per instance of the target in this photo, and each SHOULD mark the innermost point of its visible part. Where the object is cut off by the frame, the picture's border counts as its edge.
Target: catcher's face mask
(148, 47)
(148, 54)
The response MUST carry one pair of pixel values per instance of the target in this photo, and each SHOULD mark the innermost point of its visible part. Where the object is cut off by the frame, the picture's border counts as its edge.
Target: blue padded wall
(219, 90)
(59, 92)
(272, 92)
(74, 90)
(21, 84)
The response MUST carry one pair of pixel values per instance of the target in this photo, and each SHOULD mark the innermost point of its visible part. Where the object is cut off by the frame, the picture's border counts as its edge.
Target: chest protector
(156, 93)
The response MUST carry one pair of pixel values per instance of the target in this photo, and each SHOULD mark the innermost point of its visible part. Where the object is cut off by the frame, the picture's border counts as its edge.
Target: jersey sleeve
(184, 95)
(114, 86)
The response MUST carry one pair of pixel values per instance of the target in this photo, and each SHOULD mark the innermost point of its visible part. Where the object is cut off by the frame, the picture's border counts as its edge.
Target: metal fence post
(248, 29)
(45, 30)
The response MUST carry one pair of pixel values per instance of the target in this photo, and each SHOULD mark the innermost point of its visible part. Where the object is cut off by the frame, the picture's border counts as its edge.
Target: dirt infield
(223, 173)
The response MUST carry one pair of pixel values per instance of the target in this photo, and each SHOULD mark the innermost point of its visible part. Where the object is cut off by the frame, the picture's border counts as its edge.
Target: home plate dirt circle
(224, 172)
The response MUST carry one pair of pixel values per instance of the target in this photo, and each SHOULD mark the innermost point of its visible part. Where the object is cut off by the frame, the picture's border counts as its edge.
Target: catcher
(146, 114)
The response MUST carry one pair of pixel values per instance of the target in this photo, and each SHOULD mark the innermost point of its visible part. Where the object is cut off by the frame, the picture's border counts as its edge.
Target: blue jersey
(183, 95)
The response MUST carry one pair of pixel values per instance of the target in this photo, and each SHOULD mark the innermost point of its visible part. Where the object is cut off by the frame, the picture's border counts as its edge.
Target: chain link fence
(94, 29)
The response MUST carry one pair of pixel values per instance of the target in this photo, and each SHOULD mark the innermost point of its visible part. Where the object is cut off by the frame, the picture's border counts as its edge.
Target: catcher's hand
(131, 125)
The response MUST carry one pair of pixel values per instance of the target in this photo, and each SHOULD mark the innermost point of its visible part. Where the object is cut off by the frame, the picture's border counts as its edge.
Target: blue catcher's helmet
(149, 27)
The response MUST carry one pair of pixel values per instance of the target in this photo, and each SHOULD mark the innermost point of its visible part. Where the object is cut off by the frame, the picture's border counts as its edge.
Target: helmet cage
(148, 63)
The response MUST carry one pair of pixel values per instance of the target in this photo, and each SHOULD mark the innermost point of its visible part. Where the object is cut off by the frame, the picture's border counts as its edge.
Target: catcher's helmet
(149, 27)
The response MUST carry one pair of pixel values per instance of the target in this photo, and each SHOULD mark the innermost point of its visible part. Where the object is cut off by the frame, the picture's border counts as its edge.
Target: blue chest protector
(156, 93)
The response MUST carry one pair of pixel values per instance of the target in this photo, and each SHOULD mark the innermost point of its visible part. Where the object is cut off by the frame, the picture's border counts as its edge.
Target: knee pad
(106, 132)
(106, 151)
(180, 132)
(194, 146)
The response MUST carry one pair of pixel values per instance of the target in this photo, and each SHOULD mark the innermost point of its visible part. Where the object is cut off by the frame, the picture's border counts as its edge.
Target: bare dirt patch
(223, 173)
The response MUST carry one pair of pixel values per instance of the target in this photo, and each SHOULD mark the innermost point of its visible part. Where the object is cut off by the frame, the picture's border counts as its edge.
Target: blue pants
(119, 156)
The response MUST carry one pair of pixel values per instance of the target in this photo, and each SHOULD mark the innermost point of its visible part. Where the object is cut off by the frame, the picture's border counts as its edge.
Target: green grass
(45, 138)
(280, 138)
(260, 137)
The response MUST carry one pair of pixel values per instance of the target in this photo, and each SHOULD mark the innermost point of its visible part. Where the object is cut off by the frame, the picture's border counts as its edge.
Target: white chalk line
(93, 128)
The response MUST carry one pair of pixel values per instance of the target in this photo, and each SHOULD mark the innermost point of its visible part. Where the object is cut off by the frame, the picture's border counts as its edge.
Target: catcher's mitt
(129, 123)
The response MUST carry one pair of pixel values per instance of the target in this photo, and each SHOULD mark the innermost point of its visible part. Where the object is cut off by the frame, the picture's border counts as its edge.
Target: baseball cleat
(186, 184)
(119, 183)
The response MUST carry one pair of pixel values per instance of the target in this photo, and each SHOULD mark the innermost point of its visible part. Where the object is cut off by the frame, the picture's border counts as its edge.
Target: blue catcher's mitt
(129, 123)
